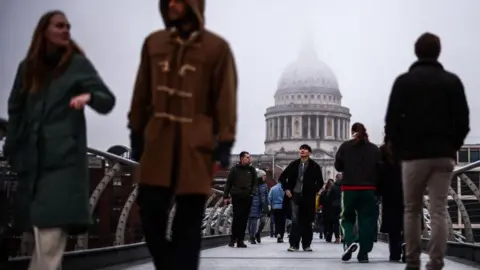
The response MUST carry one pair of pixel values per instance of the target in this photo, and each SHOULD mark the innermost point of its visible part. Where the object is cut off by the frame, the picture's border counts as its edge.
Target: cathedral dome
(308, 75)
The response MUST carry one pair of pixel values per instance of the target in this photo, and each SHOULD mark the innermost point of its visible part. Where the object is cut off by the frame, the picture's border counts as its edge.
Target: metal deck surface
(271, 255)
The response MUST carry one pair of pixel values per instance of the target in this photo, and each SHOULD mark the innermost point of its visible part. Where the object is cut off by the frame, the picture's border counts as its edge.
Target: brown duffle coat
(185, 90)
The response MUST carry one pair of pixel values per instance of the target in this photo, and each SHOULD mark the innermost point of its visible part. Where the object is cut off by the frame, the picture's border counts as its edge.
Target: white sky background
(366, 43)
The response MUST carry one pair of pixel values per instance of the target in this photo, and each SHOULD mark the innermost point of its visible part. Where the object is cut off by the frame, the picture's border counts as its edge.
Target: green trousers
(363, 204)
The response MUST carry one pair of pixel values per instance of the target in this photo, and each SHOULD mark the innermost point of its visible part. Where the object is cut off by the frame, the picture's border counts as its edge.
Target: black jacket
(312, 183)
(359, 162)
(312, 178)
(241, 181)
(427, 115)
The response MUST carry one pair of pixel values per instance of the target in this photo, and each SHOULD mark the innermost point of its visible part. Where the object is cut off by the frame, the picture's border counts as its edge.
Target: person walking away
(46, 143)
(390, 189)
(275, 198)
(271, 221)
(334, 199)
(259, 209)
(318, 216)
(182, 119)
(358, 160)
(301, 181)
(326, 211)
(241, 187)
(427, 121)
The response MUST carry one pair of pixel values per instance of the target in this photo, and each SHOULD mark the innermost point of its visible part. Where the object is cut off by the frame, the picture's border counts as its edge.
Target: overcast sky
(366, 43)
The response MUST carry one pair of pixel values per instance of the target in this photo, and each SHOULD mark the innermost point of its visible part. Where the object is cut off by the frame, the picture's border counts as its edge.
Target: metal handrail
(466, 168)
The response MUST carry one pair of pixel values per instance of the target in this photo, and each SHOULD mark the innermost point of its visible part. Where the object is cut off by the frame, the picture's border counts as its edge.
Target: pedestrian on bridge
(46, 143)
(427, 121)
(183, 110)
(301, 181)
(240, 188)
(358, 160)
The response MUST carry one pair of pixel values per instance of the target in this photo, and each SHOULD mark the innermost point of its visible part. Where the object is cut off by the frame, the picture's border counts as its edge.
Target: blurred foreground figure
(184, 102)
(427, 121)
(46, 142)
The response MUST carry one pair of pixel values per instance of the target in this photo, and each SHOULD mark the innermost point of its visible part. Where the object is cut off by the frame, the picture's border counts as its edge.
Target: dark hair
(243, 154)
(361, 132)
(306, 147)
(428, 46)
(35, 72)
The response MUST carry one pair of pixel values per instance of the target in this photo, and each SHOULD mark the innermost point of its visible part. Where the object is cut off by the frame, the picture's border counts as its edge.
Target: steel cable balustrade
(83, 245)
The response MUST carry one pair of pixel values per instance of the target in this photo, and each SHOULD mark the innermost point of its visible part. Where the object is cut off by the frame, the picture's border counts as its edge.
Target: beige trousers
(434, 175)
(49, 248)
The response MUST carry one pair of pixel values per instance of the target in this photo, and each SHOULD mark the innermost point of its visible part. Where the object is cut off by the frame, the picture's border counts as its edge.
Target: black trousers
(183, 251)
(331, 228)
(280, 219)
(241, 209)
(395, 241)
(301, 226)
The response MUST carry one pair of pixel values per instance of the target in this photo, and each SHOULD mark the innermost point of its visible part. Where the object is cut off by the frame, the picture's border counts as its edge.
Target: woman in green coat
(46, 142)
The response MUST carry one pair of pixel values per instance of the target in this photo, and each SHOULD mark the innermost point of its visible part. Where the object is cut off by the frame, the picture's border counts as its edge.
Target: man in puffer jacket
(259, 208)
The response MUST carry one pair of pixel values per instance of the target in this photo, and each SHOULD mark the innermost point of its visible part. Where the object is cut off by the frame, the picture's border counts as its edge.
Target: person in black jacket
(332, 220)
(241, 186)
(390, 189)
(427, 121)
(301, 181)
(358, 160)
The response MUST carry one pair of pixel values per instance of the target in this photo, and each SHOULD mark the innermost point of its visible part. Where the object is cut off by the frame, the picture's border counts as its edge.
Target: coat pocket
(201, 134)
(59, 148)
(59, 152)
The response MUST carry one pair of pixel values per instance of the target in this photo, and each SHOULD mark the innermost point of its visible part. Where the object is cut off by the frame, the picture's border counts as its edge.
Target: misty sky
(366, 43)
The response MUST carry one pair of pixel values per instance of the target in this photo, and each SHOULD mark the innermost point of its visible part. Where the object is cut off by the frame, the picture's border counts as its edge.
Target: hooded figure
(183, 113)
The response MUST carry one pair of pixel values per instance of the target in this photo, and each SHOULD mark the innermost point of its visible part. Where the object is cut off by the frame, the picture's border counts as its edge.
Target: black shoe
(362, 258)
(292, 249)
(404, 253)
(321, 236)
(241, 244)
(258, 238)
(252, 240)
(347, 254)
(308, 249)
(279, 240)
(231, 243)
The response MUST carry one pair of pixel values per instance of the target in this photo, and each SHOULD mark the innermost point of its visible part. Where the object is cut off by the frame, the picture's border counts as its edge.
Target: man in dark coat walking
(301, 181)
(427, 121)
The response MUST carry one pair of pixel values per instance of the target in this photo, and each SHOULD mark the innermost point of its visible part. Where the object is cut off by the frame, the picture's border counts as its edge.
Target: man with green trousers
(358, 160)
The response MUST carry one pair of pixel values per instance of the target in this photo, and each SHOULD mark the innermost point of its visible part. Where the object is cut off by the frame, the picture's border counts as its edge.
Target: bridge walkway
(271, 255)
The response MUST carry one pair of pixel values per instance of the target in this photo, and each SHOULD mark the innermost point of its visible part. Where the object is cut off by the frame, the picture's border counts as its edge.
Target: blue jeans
(253, 227)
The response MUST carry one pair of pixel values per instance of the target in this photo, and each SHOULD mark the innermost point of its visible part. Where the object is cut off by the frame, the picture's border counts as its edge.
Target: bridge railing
(116, 224)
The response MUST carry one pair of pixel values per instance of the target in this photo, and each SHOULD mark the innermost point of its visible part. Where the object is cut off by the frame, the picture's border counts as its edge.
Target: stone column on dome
(300, 121)
(292, 127)
(266, 129)
(339, 135)
(279, 131)
(285, 126)
(309, 127)
(345, 130)
(317, 127)
(325, 127)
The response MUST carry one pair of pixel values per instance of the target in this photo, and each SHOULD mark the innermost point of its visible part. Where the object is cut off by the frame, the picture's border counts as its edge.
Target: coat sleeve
(395, 111)
(16, 101)
(270, 197)
(283, 178)
(461, 114)
(102, 99)
(225, 95)
(318, 178)
(340, 159)
(228, 185)
(140, 104)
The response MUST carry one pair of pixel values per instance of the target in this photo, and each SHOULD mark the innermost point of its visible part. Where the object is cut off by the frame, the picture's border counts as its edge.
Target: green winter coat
(46, 146)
